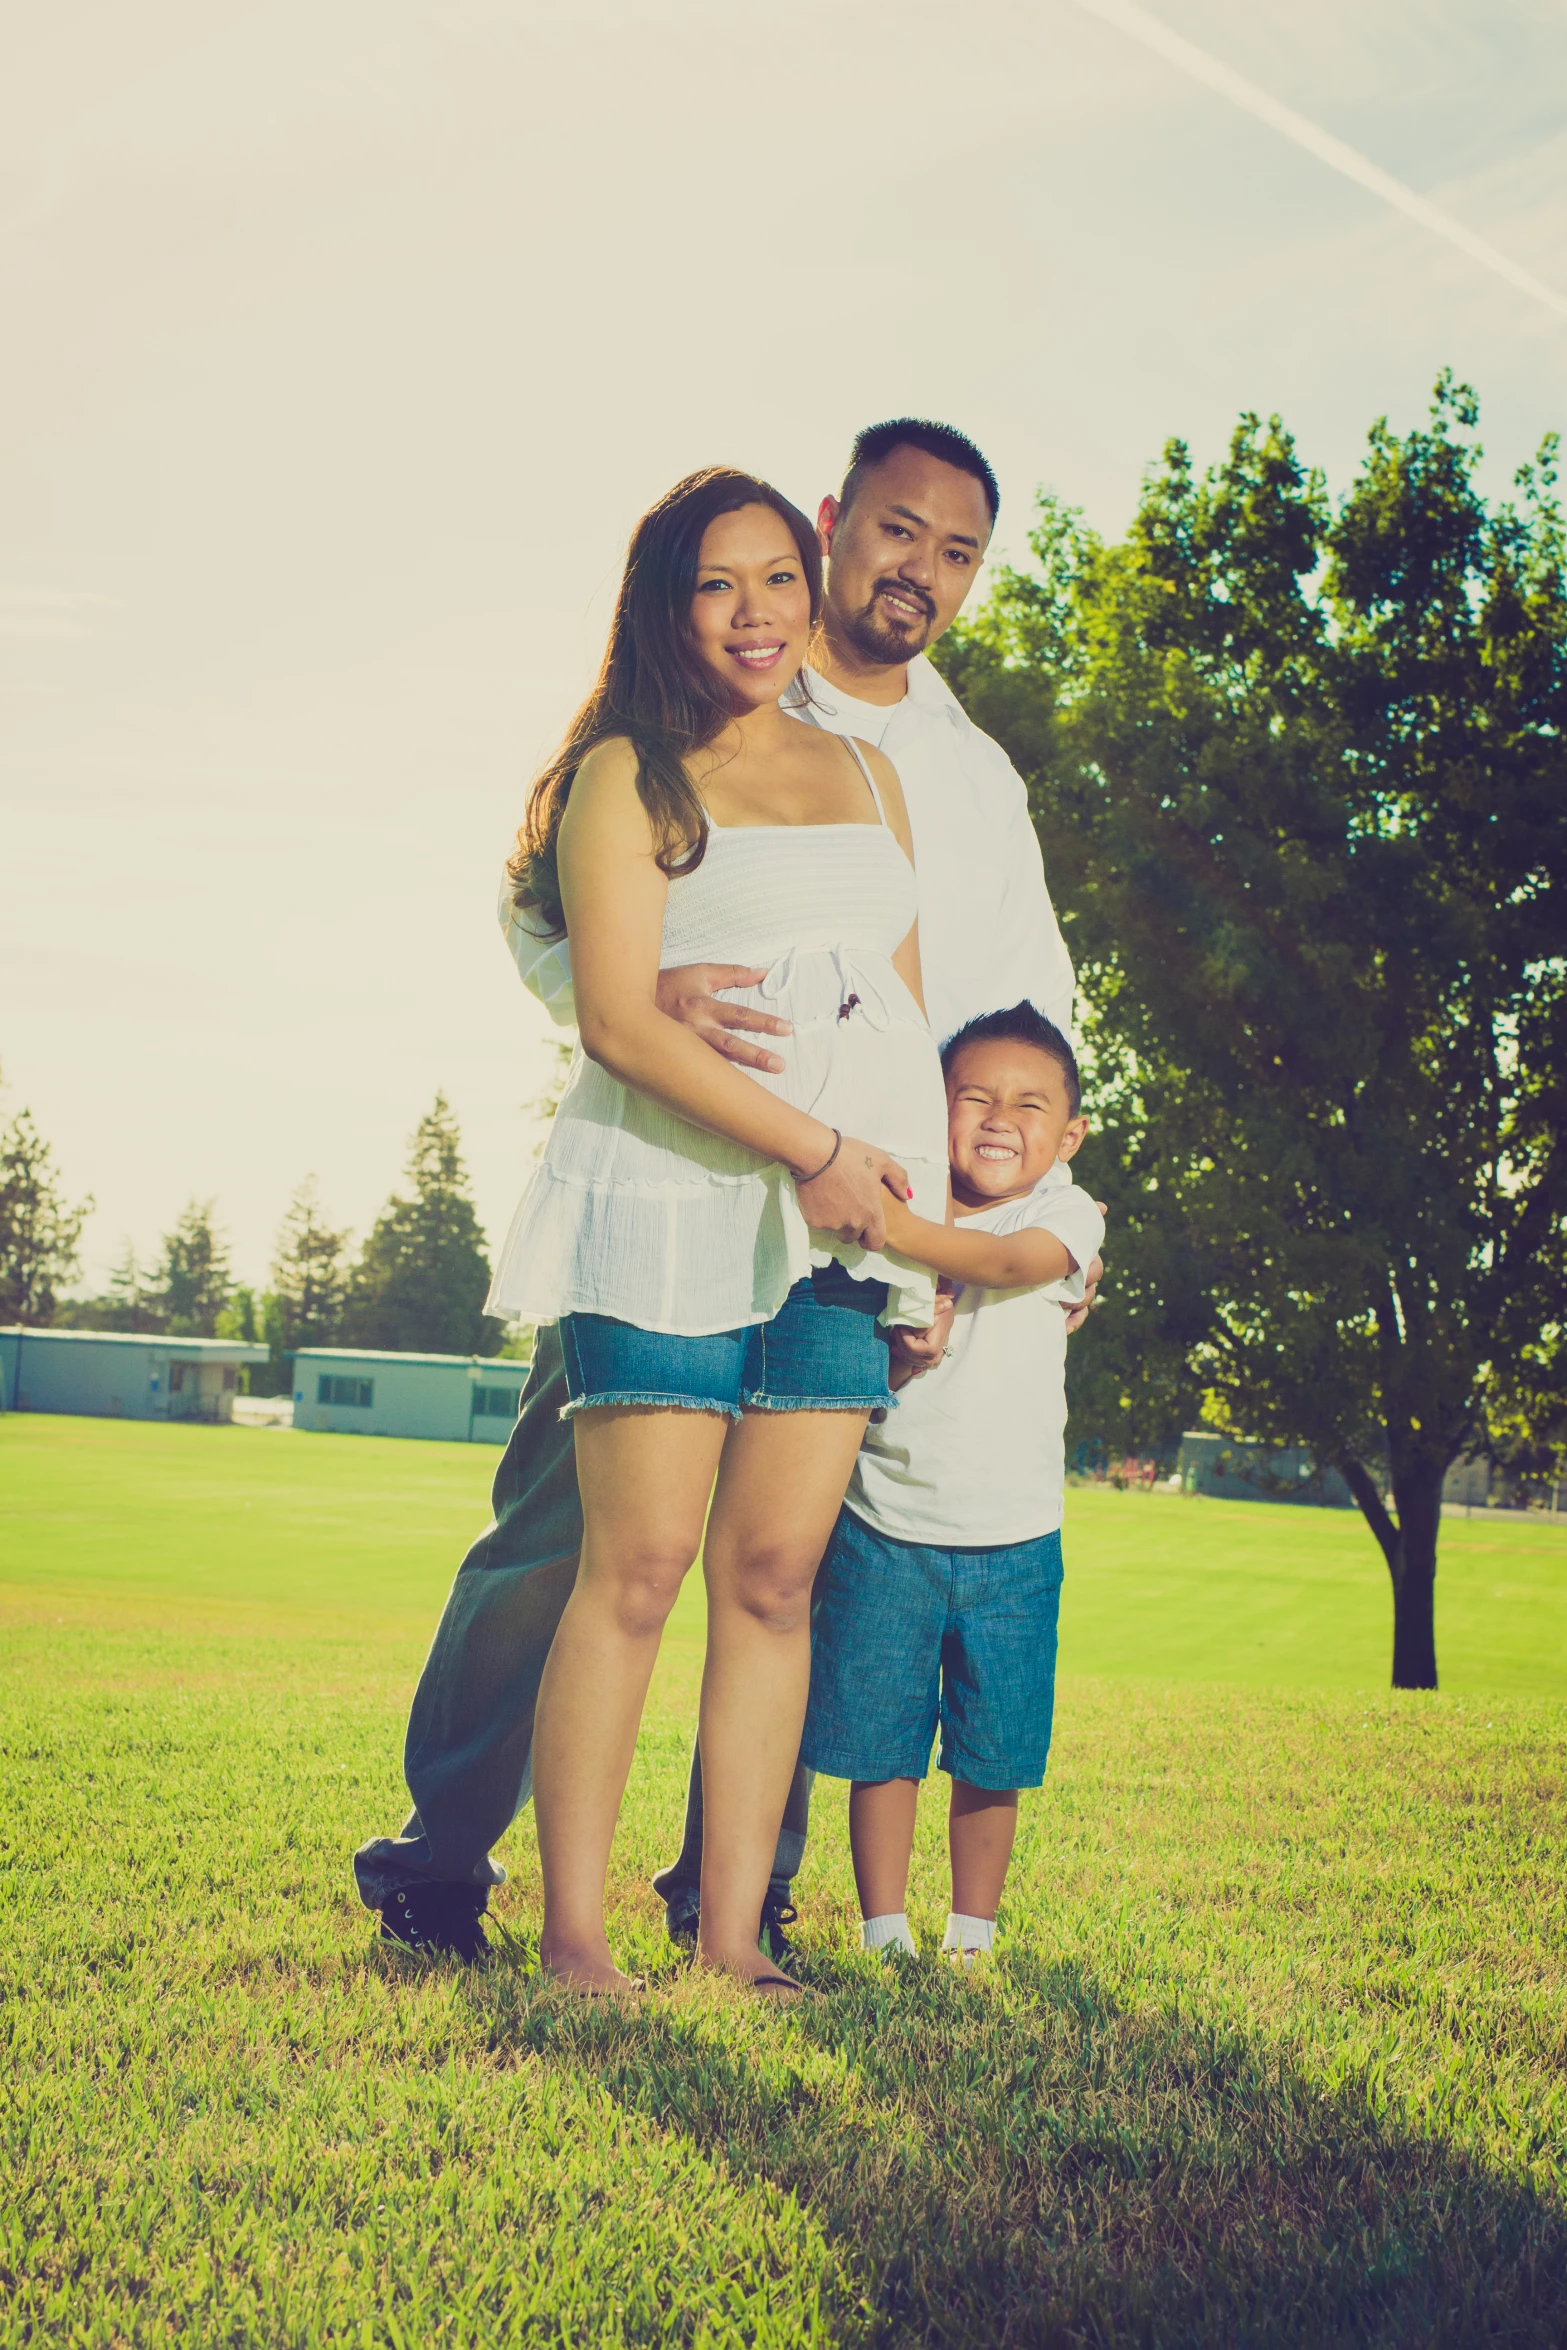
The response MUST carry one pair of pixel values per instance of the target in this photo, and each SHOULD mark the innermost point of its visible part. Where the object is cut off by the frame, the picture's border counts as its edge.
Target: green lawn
(1277, 2054)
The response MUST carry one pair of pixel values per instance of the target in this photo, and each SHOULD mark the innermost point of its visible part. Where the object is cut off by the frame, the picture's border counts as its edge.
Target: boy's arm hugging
(989, 1260)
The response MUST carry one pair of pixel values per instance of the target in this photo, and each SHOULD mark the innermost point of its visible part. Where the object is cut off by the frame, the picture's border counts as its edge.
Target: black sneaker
(682, 1915)
(683, 1918)
(440, 1921)
(778, 1911)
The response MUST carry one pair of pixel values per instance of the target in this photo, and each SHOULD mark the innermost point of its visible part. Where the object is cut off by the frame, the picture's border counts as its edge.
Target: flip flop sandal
(777, 1983)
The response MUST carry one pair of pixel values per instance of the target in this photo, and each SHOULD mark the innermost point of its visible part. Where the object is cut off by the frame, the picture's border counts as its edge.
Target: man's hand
(915, 1351)
(690, 995)
(1096, 1273)
(850, 1198)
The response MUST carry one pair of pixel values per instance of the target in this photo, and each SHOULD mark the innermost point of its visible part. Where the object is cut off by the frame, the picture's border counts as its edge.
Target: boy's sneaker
(439, 1921)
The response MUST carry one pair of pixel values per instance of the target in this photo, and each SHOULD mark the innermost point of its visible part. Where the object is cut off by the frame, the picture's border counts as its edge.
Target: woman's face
(751, 610)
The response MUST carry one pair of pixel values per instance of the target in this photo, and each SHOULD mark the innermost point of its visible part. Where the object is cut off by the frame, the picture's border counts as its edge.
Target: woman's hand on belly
(849, 1199)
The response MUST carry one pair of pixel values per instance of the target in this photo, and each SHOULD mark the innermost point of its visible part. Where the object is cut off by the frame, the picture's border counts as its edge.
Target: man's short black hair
(1021, 1024)
(917, 432)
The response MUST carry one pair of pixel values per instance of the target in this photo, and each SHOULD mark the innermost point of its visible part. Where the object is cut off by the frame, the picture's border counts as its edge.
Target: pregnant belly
(860, 1055)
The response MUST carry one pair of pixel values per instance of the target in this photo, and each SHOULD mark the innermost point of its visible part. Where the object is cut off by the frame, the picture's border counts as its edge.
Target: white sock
(888, 1933)
(968, 1933)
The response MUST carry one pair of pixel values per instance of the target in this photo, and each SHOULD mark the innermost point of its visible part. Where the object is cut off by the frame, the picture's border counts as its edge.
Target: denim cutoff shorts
(823, 1351)
(907, 1639)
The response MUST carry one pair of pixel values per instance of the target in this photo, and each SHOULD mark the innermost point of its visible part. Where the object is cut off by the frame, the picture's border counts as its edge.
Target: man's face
(1009, 1119)
(904, 554)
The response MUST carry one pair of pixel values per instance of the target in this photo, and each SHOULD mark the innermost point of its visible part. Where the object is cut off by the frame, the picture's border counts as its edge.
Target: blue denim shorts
(907, 1638)
(823, 1351)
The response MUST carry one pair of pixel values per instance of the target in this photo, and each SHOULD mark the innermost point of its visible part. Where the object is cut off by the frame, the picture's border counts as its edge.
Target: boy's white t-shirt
(976, 1451)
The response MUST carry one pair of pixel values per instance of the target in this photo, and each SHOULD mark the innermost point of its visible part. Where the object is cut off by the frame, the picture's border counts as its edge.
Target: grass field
(1277, 2053)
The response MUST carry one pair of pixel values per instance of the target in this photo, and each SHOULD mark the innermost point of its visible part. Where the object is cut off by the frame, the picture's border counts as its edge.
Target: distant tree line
(417, 1284)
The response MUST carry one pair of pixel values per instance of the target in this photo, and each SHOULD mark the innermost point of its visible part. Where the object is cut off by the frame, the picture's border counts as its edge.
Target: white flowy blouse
(635, 1213)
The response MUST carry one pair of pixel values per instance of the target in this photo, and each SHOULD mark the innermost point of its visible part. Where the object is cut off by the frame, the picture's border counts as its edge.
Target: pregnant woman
(710, 1240)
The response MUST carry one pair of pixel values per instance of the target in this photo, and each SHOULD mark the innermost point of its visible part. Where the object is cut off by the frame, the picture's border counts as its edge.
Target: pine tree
(194, 1280)
(130, 1304)
(309, 1273)
(39, 1230)
(421, 1280)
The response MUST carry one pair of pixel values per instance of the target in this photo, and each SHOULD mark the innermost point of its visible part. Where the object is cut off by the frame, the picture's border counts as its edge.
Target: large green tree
(40, 1229)
(1300, 771)
(421, 1280)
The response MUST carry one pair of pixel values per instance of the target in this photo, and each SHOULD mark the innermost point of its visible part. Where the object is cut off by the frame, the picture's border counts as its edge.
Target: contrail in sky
(1140, 26)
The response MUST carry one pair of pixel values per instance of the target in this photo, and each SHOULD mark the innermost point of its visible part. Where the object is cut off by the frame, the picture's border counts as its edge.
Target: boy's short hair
(1020, 1024)
(878, 441)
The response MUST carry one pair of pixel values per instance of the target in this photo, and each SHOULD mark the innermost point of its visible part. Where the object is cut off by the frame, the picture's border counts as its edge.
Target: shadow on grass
(1022, 2161)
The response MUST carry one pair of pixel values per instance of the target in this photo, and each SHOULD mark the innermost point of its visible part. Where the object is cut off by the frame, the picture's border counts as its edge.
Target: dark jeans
(468, 1756)
(469, 1750)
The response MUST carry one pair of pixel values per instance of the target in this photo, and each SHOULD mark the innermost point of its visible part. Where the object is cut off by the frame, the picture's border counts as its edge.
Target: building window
(358, 1394)
(177, 1373)
(495, 1403)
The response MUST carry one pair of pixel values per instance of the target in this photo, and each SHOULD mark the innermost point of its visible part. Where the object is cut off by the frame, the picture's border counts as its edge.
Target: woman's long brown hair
(653, 688)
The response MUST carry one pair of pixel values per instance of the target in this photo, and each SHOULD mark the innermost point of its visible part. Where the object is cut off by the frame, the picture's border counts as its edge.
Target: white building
(468, 1399)
(1231, 1469)
(122, 1375)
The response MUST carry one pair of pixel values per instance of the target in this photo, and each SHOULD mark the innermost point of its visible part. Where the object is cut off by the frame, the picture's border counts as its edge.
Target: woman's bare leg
(645, 1478)
(780, 1487)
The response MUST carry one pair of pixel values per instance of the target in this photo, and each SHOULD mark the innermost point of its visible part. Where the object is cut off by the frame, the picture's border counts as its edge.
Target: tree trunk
(1410, 1550)
(1417, 1495)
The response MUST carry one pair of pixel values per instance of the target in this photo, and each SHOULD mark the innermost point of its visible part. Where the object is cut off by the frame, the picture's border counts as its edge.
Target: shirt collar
(928, 686)
(927, 690)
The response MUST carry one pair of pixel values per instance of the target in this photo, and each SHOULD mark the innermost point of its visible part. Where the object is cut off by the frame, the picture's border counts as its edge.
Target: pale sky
(346, 342)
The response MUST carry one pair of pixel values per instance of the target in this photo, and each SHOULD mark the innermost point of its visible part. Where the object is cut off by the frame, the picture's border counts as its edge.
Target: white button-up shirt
(988, 932)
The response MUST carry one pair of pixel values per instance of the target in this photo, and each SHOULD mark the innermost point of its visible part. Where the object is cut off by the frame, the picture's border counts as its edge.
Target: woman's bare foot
(752, 1971)
(592, 1972)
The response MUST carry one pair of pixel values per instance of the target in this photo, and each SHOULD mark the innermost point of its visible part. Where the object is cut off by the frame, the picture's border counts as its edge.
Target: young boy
(941, 1586)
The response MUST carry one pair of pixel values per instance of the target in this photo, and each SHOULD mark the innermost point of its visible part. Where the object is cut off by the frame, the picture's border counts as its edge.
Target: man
(904, 542)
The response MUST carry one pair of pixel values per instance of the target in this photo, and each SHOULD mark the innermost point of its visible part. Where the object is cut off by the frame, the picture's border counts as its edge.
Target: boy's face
(1009, 1119)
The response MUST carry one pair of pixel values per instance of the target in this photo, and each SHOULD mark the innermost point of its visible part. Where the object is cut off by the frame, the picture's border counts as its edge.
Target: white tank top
(635, 1213)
